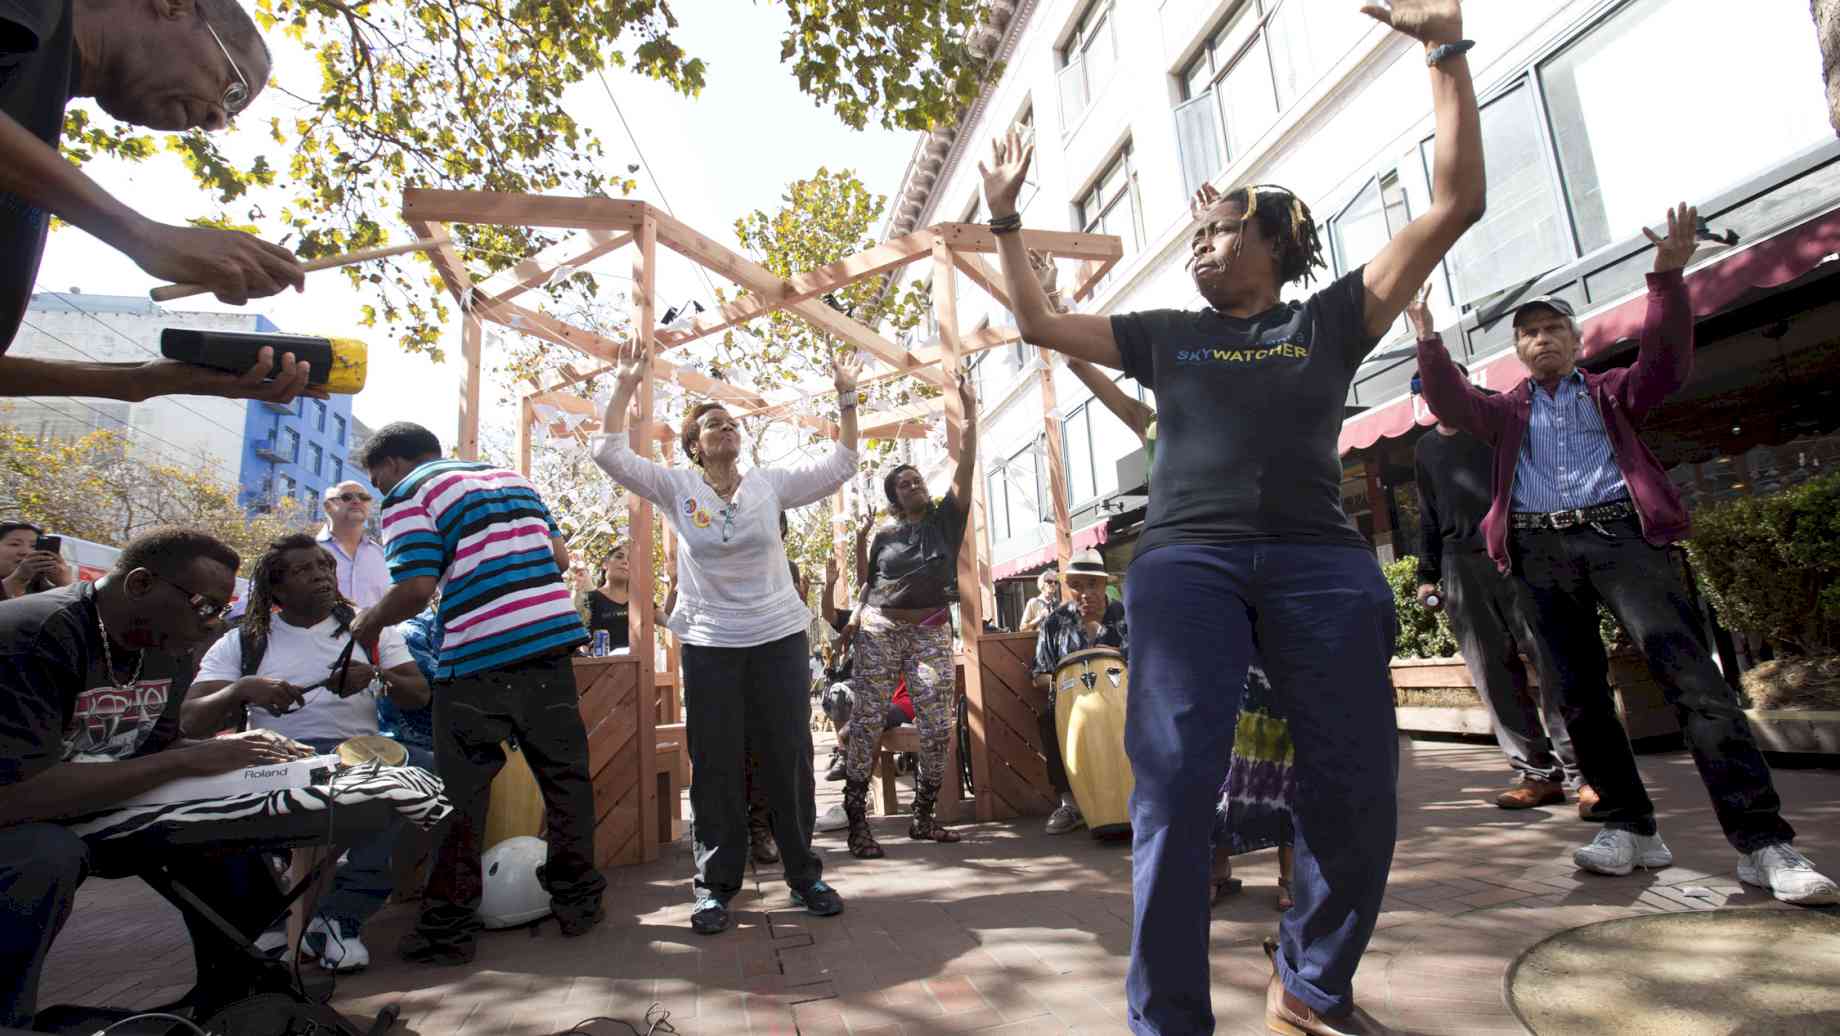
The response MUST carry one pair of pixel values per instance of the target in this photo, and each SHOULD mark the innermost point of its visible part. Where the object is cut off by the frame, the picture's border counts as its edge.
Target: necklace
(719, 491)
(108, 657)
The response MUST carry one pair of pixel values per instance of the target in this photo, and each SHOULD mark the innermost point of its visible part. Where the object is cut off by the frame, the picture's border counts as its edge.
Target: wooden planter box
(622, 751)
(1639, 701)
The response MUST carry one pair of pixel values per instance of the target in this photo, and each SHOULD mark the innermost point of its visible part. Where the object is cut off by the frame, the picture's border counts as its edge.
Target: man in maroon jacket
(1582, 512)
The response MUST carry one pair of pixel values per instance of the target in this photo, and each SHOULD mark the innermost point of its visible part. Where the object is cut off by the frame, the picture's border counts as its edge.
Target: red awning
(1712, 288)
(1083, 539)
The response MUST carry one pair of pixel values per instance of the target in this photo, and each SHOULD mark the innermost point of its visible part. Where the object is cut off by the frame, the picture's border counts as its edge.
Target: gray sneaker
(1065, 818)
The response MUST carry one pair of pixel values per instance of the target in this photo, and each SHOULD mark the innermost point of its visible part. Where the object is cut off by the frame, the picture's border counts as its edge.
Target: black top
(609, 615)
(1453, 496)
(38, 71)
(1248, 413)
(1062, 633)
(56, 702)
(915, 564)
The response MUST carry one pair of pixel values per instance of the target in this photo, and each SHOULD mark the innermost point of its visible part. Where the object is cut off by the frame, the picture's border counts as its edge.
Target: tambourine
(372, 748)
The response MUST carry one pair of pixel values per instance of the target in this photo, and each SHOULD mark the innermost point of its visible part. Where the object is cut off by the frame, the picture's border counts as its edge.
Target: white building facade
(1596, 116)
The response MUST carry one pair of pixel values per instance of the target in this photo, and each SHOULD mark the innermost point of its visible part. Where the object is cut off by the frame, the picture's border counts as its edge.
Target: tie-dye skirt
(1254, 809)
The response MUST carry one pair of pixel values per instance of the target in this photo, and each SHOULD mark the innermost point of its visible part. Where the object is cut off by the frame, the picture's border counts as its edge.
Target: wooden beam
(471, 336)
(890, 254)
(639, 530)
(774, 290)
(1091, 272)
(535, 271)
(527, 416)
(1057, 464)
(972, 567)
(982, 275)
(495, 208)
(446, 261)
(976, 237)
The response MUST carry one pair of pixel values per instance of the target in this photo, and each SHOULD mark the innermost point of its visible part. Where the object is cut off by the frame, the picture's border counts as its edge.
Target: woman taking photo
(742, 627)
(1246, 541)
(904, 628)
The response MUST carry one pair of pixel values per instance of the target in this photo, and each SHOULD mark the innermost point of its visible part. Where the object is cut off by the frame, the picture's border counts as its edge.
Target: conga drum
(517, 803)
(1089, 695)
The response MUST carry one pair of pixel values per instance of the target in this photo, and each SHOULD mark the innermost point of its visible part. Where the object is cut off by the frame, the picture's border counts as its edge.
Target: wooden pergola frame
(606, 225)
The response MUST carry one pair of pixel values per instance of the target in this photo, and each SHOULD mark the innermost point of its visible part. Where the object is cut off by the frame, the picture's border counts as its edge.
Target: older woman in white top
(742, 625)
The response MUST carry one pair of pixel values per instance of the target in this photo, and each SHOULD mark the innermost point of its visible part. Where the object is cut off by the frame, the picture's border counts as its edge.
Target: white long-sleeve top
(734, 588)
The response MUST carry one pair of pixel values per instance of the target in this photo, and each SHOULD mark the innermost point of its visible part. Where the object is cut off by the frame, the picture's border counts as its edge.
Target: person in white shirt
(743, 627)
(292, 676)
(364, 573)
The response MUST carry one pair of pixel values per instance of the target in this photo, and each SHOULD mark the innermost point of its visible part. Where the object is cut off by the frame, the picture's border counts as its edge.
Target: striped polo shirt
(484, 533)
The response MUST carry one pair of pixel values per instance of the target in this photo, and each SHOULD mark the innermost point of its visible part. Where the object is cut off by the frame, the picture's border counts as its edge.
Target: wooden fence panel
(1008, 765)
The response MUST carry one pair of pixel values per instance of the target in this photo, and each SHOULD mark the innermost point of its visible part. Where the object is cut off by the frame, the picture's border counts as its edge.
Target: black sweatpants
(535, 700)
(736, 698)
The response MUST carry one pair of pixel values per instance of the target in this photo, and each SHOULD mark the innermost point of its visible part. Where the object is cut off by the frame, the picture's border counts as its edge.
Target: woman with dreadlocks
(1246, 542)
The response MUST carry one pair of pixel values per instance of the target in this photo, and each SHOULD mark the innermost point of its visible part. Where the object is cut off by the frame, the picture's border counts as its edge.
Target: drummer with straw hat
(1087, 619)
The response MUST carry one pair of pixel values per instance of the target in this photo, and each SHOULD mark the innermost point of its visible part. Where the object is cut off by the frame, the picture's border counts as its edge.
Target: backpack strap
(252, 648)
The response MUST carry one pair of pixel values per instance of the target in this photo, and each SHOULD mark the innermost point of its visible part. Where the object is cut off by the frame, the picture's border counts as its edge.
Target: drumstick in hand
(169, 292)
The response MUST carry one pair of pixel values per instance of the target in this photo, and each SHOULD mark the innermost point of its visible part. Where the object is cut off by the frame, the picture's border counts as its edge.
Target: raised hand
(1676, 249)
(1009, 165)
(967, 394)
(1418, 313)
(1203, 200)
(629, 366)
(1045, 271)
(1428, 21)
(846, 369)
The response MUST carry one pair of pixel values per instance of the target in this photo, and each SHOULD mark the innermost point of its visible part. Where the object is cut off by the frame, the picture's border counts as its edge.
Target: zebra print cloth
(413, 792)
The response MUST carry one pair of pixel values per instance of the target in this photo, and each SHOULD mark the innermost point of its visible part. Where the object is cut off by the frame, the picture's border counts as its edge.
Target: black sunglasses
(353, 498)
(202, 604)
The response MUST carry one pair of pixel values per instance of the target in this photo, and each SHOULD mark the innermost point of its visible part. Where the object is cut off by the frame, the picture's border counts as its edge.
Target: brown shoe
(1587, 802)
(1531, 794)
(1290, 1016)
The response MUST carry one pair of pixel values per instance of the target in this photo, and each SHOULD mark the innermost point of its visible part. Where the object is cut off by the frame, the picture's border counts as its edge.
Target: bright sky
(718, 156)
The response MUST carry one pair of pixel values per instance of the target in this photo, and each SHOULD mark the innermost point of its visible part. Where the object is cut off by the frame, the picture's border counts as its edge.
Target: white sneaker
(337, 945)
(273, 944)
(1618, 852)
(1788, 875)
(833, 819)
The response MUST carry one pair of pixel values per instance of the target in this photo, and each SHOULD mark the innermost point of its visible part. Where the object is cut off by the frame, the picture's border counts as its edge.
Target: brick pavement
(1010, 931)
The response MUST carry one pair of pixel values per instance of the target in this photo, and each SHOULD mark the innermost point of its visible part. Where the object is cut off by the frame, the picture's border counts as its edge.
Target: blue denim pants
(364, 880)
(1321, 617)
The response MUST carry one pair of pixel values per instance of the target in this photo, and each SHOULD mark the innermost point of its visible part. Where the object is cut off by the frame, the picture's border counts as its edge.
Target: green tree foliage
(96, 488)
(1771, 564)
(469, 94)
(1422, 633)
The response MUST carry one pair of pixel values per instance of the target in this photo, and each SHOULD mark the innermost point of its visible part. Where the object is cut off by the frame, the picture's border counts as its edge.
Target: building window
(1015, 497)
(309, 497)
(338, 425)
(1110, 206)
(290, 445)
(1087, 60)
(1031, 180)
(319, 405)
(315, 458)
(1366, 224)
(1625, 161)
(1524, 233)
(284, 487)
(338, 471)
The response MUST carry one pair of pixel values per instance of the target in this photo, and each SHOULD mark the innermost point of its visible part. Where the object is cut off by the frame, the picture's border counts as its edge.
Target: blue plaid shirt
(1566, 461)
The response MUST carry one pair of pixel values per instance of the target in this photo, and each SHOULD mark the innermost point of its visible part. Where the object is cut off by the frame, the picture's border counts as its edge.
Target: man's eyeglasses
(354, 498)
(207, 609)
(237, 94)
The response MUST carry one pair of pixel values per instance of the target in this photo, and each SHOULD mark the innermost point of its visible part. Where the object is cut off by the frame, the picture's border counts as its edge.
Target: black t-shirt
(1247, 417)
(915, 564)
(38, 71)
(57, 703)
(1454, 493)
(609, 615)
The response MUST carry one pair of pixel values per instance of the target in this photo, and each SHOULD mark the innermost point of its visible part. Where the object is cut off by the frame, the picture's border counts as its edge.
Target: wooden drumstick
(168, 292)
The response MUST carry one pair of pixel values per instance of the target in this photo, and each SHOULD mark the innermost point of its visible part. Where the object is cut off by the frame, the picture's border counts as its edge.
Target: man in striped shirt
(483, 536)
(1583, 514)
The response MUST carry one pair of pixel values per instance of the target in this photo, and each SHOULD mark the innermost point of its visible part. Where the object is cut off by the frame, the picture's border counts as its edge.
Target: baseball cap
(1552, 302)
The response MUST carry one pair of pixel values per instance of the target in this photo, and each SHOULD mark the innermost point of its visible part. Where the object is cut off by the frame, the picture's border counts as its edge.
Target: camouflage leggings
(883, 651)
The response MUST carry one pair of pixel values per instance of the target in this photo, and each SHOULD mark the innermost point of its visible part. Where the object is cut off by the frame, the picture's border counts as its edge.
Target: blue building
(296, 450)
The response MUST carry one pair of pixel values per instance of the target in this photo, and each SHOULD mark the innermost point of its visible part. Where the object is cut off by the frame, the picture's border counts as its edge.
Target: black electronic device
(49, 544)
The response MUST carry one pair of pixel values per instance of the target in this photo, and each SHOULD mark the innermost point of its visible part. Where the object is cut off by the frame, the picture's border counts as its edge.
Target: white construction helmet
(512, 895)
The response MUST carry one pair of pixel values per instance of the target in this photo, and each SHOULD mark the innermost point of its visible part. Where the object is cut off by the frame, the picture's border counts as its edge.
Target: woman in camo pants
(904, 628)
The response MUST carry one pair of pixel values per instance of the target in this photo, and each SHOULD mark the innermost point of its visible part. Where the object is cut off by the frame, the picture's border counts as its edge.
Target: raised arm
(967, 444)
(1451, 397)
(614, 456)
(1458, 186)
(1082, 336)
(1133, 413)
(1664, 357)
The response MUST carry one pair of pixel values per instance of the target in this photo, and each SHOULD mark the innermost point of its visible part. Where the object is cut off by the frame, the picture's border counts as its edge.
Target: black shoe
(574, 925)
(709, 917)
(818, 899)
(762, 847)
(417, 948)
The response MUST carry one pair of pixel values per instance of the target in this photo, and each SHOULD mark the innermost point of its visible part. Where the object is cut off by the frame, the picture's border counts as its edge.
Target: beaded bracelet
(1444, 51)
(1006, 224)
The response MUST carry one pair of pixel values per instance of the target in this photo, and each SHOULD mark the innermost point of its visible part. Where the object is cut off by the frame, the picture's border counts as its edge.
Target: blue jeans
(364, 881)
(1321, 617)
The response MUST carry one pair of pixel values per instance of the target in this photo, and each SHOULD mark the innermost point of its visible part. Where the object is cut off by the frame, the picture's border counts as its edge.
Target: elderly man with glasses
(364, 573)
(168, 65)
